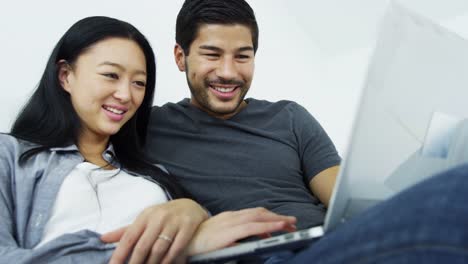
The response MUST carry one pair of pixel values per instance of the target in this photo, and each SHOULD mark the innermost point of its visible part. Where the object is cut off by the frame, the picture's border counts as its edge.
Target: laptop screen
(410, 121)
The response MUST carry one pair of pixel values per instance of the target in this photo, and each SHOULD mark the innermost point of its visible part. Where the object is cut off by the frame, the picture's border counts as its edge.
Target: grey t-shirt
(263, 156)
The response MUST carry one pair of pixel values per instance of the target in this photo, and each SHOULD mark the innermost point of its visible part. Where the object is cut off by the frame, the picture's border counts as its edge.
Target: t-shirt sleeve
(316, 150)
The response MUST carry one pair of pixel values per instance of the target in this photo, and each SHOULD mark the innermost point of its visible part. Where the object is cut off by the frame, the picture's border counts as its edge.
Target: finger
(267, 235)
(252, 229)
(262, 214)
(291, 228)
(288, 228)
(256, 215)
(128, 240)
(161, 246)
(143, 247)
(177, 249)
(113, 236)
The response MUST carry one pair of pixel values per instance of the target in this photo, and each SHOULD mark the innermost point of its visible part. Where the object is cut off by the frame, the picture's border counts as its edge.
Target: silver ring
(164, 237)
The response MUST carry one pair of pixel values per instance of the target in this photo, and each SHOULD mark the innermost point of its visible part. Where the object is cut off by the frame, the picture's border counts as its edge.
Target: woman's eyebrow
(109, 63)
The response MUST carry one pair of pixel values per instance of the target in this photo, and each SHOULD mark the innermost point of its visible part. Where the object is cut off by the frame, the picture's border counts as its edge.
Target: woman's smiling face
(107, 84)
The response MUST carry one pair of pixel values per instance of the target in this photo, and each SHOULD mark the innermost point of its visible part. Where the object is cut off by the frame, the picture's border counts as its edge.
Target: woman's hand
(159, 234)
(226, 228)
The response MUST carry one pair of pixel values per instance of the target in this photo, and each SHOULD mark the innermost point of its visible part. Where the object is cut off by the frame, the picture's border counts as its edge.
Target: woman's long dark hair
(49, 119)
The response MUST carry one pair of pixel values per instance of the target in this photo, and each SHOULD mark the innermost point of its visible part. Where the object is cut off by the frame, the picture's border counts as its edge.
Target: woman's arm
(80, 247)
(159, 234)
(185, 223)
(83, 247)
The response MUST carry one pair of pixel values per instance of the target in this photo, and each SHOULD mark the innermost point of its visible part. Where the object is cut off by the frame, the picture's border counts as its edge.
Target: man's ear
(64, 71)
(179, 57)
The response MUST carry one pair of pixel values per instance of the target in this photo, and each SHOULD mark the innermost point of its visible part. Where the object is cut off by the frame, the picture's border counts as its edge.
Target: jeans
(427, 223)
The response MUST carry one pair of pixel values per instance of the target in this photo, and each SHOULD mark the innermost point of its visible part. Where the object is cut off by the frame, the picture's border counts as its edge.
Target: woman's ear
(64, 71)
(179, 57)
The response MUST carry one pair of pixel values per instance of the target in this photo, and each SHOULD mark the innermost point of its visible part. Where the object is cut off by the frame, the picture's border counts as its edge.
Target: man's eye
(243, 56)
(212, 55)
(111, 75)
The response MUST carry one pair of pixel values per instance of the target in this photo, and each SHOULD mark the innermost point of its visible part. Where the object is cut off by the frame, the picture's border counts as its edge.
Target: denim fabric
(280, 257)
(27, 195)
(424, 224)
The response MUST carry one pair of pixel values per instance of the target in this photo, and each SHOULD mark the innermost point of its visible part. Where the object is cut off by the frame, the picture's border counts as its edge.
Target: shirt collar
(72, 147)
(109, 150)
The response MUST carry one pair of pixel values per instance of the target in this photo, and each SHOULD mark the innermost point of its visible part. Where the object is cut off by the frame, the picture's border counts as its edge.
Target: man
(230, 152)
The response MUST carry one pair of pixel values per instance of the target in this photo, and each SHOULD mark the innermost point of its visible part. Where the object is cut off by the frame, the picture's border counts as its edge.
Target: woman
(72, 167)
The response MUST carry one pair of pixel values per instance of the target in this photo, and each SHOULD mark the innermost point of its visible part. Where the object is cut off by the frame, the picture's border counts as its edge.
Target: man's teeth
(113, 110)
(224, 90)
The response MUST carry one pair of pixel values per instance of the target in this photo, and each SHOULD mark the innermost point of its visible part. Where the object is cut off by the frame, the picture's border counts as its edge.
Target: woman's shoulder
(8, 141)
(6, 138)
(9, 148)
(11, 145)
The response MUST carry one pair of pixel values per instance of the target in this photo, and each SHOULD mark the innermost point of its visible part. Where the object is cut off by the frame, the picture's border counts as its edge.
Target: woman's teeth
(113, 110)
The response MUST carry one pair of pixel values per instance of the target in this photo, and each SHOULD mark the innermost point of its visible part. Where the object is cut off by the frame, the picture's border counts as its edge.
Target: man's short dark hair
(195, 13)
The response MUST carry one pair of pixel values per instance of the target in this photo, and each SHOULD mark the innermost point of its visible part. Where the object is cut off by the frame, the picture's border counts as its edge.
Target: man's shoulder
(271, 106)
(169, 107)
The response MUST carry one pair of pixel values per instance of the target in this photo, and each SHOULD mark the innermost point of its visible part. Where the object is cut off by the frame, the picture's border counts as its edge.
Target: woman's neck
(92, 147)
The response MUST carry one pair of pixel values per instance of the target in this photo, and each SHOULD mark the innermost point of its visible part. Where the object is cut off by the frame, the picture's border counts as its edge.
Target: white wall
(312, 51)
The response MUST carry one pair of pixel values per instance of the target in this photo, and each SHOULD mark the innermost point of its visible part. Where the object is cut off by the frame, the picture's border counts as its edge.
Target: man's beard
(201, 94)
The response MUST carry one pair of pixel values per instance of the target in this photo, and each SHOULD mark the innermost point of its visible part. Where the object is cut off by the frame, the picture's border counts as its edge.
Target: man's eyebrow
(214, 48)
(208, 47)
(109, 63)
(248, 48)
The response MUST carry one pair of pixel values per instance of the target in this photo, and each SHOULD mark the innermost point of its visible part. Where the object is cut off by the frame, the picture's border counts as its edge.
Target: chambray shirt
(27, 196)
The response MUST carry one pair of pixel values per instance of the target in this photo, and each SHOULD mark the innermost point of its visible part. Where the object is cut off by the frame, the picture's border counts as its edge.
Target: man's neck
(227, 116)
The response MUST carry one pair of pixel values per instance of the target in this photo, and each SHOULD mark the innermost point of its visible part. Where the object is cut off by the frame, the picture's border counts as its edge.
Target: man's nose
(227, 69)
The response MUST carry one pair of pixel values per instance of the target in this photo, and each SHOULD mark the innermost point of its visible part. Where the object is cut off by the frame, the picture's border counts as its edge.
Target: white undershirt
(99, 200)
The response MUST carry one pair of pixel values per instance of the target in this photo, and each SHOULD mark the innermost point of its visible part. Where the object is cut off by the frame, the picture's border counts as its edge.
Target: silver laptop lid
(410, 121)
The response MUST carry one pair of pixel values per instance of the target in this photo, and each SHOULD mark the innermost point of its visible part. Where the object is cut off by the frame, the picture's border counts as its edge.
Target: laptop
(411, 124)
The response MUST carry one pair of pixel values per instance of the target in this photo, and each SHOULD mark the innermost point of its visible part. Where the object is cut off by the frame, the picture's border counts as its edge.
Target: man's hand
(226, 228)
(159, 234)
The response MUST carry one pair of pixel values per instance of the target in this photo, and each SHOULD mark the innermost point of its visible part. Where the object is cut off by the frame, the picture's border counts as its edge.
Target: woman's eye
(111, 75)
(140, 83)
